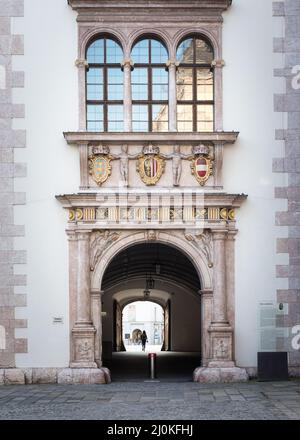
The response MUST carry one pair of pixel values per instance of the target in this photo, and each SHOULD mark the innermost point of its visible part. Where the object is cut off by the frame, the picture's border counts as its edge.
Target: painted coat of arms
(150, 165)
(202, 164)
(99, 165)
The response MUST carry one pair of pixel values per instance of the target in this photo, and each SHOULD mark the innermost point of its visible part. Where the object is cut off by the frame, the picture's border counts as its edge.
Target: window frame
(195, 66)
(150, 102)
(105, 102)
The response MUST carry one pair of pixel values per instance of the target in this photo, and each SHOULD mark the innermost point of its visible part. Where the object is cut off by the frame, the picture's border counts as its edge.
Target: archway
(161, 273)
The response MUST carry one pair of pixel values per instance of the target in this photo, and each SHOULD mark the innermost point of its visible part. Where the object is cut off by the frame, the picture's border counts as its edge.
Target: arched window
(149, 81)
(104, 86)
(195, 86)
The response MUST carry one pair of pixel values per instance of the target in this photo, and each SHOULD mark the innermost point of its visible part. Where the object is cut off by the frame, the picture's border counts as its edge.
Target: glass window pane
(140, 52)
(159, 54)
(95, 84)
(160, 117)
(204, 52)
(160, 76)
(185, 118)
(205, 85)
(115, 117)
(205, 114)
(185, 51)
(139, 80)
(114, 53)
(115, 84)
(184, 84)
(140, 117)
(95, 53)
(95, 118)
(160, 92)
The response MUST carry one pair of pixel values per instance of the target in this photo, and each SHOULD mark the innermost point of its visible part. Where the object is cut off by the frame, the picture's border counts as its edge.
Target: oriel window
(150, 86)
(104, 86)
(195, 86)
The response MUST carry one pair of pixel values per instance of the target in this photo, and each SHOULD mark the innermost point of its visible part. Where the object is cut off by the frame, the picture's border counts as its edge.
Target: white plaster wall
(53, 168)
(248, 107)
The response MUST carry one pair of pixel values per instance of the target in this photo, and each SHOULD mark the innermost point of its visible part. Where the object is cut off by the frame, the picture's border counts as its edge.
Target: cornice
(85, 137)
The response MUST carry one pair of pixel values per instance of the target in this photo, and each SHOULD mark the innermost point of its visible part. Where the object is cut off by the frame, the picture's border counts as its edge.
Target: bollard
(152, 365)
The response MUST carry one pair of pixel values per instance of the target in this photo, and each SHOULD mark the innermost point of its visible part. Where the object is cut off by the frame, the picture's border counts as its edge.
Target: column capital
(232, 234)
(97, 293)
(172, 63)
(83, 235)
(72, 236)
(218, 64)
(219, 234)
(80, 63)
(127, 62)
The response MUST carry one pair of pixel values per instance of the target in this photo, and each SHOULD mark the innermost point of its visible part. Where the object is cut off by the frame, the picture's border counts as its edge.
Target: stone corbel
(218, 63)
(81, 63)
(127, 62)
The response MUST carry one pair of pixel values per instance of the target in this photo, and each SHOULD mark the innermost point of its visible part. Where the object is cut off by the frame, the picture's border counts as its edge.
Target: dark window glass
(150, 86)
(195, 86)
(104, 86)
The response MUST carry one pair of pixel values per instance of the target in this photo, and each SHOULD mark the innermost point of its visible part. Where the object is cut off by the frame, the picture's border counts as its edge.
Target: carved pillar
(82, 67)
(219, 152)
(72, 237)
(206, 318)
(127, 66)
(96, 310)
(220, 330)
(83, 333)
(172, 66)
(230, 281)
(84, 174)
(218, 74)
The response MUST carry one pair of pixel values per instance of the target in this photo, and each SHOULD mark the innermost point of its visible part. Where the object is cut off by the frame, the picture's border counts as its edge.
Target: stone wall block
(14, 376)
(44, 375)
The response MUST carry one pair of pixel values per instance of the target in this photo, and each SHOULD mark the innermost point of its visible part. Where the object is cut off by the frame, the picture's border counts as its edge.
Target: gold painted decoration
(150, 168)
(100, 168)
(202, 168)
(231, 214)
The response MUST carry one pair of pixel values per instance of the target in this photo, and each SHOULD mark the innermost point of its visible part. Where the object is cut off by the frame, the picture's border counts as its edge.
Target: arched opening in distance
(160, 274)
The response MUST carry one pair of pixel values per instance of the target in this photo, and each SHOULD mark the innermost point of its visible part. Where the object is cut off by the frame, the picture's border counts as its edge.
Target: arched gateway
(151, 146)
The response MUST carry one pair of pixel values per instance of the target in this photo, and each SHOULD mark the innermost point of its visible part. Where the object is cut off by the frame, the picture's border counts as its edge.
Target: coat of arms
(150, 166)
(202, 164)
(99, 165)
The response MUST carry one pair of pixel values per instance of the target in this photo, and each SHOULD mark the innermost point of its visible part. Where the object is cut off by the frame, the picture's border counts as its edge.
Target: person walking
(144, 340)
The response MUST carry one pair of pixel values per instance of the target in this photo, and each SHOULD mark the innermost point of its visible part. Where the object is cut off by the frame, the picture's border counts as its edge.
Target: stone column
(73, 244)
(96, 309)
(218, 74)
(82, 66)
(220, 330)
(172, 66)
(218, 153)
(127, 67)
(84, 172)
(206, 318)
(83, 333)
(230, 281)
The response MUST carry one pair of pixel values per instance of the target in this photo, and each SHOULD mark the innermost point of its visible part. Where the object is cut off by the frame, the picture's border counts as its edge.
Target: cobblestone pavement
(152, 401)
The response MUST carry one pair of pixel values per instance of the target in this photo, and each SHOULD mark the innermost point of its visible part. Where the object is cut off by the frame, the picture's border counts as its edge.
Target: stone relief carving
(203, 242)
(151, 235)
(221, 348)
(177, 157)
(124, 157)
(100, 240)
(84, 350)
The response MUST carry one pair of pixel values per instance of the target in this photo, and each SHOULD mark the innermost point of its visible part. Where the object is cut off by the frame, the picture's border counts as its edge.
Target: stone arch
(164, 237)
(88, 36)
(137, 35)
(210, 36)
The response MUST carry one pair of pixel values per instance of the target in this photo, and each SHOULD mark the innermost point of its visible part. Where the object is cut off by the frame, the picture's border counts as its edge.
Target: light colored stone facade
(11, 46)
(289, 164)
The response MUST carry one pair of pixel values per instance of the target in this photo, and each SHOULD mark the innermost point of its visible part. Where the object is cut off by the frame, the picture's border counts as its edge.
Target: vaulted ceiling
(151, 259)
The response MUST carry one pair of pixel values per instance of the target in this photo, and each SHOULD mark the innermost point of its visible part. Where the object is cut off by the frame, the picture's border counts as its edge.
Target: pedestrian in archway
(144, 340)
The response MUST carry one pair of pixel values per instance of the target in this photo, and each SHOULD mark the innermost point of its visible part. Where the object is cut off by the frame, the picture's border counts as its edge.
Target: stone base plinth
(72, 376)
(220, 375)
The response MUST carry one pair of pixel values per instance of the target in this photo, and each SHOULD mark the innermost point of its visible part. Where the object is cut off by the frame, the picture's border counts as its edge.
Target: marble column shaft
(219, 295)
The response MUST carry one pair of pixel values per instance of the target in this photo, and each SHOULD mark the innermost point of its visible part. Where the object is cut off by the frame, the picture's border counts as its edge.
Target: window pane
(95, 53)
(159, 54)
(115, 117)
(95, 117)
(160, 117)
(204, 52)
(205, 85)
(95, 84)
(140, 118)
(140, 52)
(185, 51)
(185, 117)
(160, 76)
(115, 84)
(114, 53)
(205, 118)
(160, 89)
(184, 84)
(139, 78)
